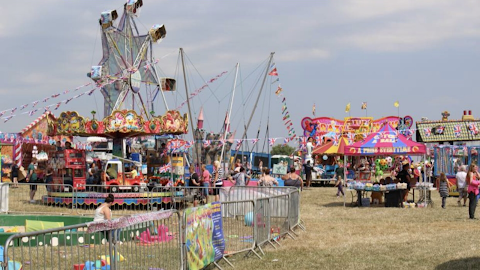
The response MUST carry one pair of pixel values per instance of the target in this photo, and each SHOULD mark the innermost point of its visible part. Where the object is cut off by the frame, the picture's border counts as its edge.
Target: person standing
(14, 174)
(291, 179)
(443, 189)
(267, 180)
(32, 178)
(206, 181)
(308, 173)
(339, 175)
(473, 183)
(241, 178)
(217, 179)
(461, 186)
(404, 177)
(195, 184)
(309, 150)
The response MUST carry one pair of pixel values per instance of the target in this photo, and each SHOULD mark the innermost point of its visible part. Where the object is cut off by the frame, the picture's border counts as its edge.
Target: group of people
(468, 182)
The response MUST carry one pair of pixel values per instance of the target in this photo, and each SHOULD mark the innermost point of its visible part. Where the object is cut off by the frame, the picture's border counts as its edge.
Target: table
(425, 195)
(393, 198)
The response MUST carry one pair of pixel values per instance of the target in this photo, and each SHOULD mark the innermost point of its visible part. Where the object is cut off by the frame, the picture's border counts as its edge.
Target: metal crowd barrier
(19, 198)
(143, 241)
(251, 217)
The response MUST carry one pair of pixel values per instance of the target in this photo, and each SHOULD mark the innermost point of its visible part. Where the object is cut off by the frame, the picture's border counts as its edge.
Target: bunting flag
(13, 110)
(273, 72)
(58, 105)
(396, 104)
(427, 131)
(35, 103)
(8, 118)
(276, 80)
(254, 141)
(196, 92)
(271, 141)
(91, 91)
(303, 142)
(313, 109)
(24, 106)
(32, 112)
(189, 144)
(239, 144)
(2, 113)
(279, 90)
(364, 105)
(347, 108)
(457, 131)
(206, 143)
(473, 129)
(286, 140)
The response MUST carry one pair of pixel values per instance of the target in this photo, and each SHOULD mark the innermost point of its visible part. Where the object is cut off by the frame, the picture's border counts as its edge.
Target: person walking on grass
(443, 189)
(461, 186)
(473, 183)
(32, 178)
(338, 176)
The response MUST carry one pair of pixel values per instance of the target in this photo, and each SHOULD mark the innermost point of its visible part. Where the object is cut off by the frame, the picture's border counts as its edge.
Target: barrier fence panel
(294, 210)
(238, 226)
(262, 222)
(279, 206)
(143, 241)
(20, 198)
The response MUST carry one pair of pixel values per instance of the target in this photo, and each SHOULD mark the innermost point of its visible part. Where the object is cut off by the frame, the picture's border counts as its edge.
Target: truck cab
(115, 178)
(69, 168)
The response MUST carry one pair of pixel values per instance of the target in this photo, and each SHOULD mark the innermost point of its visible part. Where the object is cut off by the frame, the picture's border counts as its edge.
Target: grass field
(374, 237)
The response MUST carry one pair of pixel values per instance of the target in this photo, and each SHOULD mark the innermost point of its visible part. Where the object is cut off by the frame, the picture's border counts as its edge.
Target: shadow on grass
(336, 204)
(466, 263)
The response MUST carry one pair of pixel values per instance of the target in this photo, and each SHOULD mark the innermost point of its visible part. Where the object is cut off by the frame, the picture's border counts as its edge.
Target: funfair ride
(128, 80)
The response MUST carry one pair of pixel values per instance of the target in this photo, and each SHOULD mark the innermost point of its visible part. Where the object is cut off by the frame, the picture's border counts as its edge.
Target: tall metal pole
(258, 98)
(229, 112)
(188, 102)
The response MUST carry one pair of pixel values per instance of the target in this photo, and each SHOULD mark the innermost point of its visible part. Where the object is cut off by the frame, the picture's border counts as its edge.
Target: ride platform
(96, 198)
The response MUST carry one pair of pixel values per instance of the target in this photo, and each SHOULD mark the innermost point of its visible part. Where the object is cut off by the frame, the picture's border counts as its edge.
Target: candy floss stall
(452, 142)
(32, 141)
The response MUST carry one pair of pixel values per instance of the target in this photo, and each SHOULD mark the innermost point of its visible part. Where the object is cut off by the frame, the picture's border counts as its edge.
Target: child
(443, 189)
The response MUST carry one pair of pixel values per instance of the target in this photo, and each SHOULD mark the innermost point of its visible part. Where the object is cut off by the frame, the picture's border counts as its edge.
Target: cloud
(408, 25)
(300, 55)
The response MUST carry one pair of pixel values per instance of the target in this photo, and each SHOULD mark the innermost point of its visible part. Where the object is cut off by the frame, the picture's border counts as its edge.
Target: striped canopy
(331, 147)
(386, 141)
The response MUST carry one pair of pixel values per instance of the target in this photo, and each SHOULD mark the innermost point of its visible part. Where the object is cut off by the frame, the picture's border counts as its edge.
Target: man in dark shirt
(308, 172)
(404, 177)
(195, 185)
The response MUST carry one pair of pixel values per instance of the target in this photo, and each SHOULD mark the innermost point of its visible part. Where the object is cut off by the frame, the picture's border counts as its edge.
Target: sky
(424, 54)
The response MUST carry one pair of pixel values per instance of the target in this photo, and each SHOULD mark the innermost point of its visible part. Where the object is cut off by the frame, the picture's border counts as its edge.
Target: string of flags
(196, 92)
(109, 80)
(287, 121)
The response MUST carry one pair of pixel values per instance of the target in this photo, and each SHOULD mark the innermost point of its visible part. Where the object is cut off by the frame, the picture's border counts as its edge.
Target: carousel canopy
(386, 141)
(331, 147)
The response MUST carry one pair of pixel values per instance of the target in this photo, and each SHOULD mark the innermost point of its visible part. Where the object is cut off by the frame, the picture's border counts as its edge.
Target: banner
(204, 239)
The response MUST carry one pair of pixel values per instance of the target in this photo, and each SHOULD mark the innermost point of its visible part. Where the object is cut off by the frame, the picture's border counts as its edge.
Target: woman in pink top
(206, 181)
(473, 182)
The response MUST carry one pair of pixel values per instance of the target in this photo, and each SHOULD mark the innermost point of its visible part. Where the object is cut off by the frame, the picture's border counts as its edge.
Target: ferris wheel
(127, 73)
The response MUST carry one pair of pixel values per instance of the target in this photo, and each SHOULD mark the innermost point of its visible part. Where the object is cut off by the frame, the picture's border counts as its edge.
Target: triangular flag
(273, 72)
(347, 108)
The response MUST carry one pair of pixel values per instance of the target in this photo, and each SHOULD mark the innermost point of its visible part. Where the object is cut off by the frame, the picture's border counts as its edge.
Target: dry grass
(374, 237)
(358, 238)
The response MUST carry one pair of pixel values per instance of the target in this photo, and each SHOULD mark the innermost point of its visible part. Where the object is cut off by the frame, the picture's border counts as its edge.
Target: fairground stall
(386, 142)
(331, 135)
(452, 142)
(33, 141)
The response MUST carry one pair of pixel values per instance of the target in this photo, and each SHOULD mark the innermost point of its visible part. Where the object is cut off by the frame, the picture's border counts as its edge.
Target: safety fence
(150, 237)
